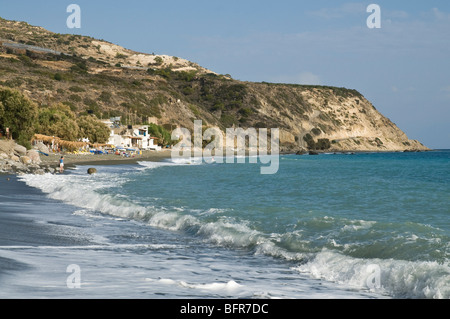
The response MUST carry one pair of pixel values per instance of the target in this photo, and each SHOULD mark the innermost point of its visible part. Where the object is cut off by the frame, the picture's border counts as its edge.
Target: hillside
(95, 76)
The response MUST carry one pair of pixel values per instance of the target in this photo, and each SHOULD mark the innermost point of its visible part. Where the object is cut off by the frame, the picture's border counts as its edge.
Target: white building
(131, 137)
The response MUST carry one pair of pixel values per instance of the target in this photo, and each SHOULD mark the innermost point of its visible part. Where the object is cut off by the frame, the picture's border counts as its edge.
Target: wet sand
(19, 203)
(26, 216)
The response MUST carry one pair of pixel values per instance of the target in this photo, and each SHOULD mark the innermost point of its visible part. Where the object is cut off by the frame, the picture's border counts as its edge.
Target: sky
(403, 67)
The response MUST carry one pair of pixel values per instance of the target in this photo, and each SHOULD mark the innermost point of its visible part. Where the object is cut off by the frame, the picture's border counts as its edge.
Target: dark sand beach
(71, 160)
(19, 204)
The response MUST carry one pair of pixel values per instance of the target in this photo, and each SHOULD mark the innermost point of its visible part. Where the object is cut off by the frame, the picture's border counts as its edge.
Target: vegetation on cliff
(94, 79)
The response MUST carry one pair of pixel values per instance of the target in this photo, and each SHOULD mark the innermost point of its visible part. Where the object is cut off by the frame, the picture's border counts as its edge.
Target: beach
(16, 159)
(19, 227)
(71, 160)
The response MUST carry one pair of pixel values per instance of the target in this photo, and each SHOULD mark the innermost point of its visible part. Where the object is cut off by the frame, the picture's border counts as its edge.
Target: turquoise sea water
(340, 225)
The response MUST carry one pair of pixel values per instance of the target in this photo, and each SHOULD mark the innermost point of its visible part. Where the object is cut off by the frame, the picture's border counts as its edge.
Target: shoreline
(50, 163)
(71, 160)
(18, 225)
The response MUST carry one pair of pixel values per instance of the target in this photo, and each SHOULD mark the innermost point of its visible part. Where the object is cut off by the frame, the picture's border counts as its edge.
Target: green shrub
(72, 106)
(158, 100)
(316, 131)
(261, 125)
(13, 83)
(19, 114)
(218, 106)
(121, 56)
(194, 110)
(159, 61)
(26, 60)
(378, 141)
(92, 128)
(323, 144)
(246, 111)
(75, 98)
(79, 67)
(165, 73)
(57, 120)
(228, 120)
(311, 144)
(77, 89)
(186, 76)
(163, 135)
(105, 96)
(188, 90)
(136, 83)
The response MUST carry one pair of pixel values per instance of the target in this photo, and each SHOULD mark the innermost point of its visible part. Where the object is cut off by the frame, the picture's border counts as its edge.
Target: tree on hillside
(19, 114)
(58, 120)
(93, 129)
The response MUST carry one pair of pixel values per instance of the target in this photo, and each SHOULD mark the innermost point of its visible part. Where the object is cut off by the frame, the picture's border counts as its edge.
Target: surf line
(238, 143)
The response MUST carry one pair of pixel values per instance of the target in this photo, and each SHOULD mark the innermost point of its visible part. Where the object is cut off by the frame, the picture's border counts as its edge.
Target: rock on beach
(16, 159)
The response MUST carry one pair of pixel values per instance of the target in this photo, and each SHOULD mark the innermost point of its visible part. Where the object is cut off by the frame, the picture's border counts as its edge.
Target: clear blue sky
(402, 68)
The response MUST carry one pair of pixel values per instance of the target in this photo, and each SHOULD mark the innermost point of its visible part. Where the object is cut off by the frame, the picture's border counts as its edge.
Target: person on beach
(61, 164)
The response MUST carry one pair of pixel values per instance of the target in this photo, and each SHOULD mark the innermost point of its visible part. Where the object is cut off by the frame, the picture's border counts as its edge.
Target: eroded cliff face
(344, 117)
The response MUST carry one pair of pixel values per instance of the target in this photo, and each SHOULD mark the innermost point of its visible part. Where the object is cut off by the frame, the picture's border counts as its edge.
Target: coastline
(50, 163)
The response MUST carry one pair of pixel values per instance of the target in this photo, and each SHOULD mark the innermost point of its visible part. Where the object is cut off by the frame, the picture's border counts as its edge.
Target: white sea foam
(81, 191)
(230, 287)
(397, 278)
(358, 225)
(212, 211)
(96, 247)
(171, 162)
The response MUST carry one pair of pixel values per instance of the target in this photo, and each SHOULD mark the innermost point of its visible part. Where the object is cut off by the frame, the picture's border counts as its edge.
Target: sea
(328, 226)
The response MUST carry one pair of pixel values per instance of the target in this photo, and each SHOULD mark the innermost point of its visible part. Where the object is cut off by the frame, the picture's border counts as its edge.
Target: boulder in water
(92, 171)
